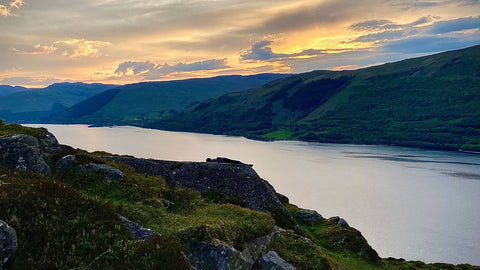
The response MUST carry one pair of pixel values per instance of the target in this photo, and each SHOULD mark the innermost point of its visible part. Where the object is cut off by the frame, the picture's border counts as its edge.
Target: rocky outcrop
(110, 172)
(226, 179)
(8, 243)
(139, 232)
(310, 217)
(219, 255)
(25, 152)
(271, 261)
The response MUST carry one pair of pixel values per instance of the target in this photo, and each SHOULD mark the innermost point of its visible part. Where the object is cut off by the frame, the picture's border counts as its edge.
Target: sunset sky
(125, 41)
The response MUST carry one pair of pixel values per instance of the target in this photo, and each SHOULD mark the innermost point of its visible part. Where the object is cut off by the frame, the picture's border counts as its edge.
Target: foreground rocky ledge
(168, 224)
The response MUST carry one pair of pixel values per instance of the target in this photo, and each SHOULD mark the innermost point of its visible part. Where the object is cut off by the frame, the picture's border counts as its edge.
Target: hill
(7, 89)
(65, 208)
(30, 106)
(150, 101)
(430, 102)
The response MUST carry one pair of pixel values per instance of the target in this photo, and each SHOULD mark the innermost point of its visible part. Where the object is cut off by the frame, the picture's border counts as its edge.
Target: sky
(126, 41)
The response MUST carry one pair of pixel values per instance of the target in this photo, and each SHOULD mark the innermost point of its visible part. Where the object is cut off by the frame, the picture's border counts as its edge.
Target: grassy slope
(30, 106)
(431, 101)
(67, 221)
(152, 100)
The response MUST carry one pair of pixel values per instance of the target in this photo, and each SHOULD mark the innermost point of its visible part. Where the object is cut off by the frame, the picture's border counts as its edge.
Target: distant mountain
(7, 89)
(148, 101)
(30, 106)
(431, 102)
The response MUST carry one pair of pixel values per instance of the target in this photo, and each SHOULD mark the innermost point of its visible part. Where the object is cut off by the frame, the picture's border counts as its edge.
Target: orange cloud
(6, 10)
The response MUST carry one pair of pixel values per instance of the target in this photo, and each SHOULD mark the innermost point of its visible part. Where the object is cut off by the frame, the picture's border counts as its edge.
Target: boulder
(139, 232)
(25, 152)
(271, 261)
(8, 243)
(340, 222)
(224, 178)
(65, 163)
(111, 173)
(310, 217)
(219, 255)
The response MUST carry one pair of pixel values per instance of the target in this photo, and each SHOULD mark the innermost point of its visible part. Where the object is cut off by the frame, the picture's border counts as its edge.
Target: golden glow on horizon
(168, 40)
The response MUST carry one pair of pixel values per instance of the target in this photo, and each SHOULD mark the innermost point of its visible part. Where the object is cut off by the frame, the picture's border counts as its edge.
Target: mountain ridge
(430, 102)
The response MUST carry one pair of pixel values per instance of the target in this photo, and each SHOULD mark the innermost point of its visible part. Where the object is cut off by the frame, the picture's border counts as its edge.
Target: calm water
(409, 203)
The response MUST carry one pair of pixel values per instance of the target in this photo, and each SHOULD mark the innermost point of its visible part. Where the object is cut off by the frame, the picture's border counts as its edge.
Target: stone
(224, 178)
(8, 243)
(65, 163)
(219, 255)
(139, 232)
(272, 261)
(111, 173)
(307, 216)
(25, 152)
(340, 222)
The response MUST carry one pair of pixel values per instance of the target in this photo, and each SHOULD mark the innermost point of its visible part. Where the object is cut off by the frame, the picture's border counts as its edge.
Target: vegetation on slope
(431, 102)
(30, 106)
(69, 220)
(153, 100)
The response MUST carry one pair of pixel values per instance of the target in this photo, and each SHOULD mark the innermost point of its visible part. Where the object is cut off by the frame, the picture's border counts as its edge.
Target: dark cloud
(152, 71)
(374, 25)
(455, 25)
(263, 52)
(135, 67)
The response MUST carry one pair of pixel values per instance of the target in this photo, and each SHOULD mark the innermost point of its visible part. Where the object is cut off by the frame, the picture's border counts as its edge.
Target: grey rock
(271, 261)
(25, 152)
(340, 222)
(111, 173)
(218, 255)
(138, 232)
(226, 179)
(308, 216)
(167, 204)
(65, 163)
(8, 243)
(22, 152)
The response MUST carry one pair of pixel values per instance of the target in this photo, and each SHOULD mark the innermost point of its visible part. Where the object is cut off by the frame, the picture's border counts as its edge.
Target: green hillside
(152, 100)
(431, 102)
(30, 106)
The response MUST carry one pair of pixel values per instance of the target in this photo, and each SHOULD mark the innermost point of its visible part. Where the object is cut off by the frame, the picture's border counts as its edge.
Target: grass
(11, 129)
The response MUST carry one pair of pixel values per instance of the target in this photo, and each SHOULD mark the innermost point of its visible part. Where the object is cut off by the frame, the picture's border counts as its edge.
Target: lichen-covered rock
(307, 216)
(22, 152)
(219, 255)
(8, 243)
(340, 222)
(25, 152)
(65, 163)
(226, 179)
(271, 261)
(139, 232)
(111, 173)
(341, 236)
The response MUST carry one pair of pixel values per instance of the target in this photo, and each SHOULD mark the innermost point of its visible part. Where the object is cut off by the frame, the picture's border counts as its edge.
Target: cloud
(380, 36)
(72, 48)
(37, 49)
(455, 25)
(261, 51)
(374, 25)
(6, 10)
(75, 48)
(151, 71)
(134, 67)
